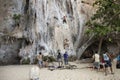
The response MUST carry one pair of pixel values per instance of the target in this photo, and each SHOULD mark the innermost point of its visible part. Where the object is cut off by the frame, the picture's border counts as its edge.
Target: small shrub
(72, 58)
(26, 61)
(35, 60)
(45, 58)
(16, 17)
(49, 58)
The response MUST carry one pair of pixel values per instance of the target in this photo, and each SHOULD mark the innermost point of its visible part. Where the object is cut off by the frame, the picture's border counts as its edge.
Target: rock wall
(30, 26)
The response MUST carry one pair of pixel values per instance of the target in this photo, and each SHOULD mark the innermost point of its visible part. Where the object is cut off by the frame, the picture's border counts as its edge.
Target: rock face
(30, 26)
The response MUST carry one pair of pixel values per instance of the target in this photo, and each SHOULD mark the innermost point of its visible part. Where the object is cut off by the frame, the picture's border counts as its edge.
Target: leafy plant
(35, 60)
(72, 58)
(49, 58)
(26, 61)
(16, 18)
(105, 21)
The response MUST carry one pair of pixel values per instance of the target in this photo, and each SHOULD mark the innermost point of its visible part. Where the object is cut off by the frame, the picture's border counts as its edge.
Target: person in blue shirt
(118, 58)
(108, 63)
(118, 61)
(65, 58)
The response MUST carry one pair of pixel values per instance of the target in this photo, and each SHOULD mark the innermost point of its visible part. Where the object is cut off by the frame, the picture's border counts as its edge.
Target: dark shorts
(108, 63)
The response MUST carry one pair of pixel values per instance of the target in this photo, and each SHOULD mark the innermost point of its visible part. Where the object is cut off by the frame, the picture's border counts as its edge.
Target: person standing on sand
(118, 61)
(96, 63)
(107, 60)
(59, 58)
(65, 58)
(40, 60)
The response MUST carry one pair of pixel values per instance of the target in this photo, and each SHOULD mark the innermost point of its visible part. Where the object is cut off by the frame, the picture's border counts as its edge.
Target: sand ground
(21, 72)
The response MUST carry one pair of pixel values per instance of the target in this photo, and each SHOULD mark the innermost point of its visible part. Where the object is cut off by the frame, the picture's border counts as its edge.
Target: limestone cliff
(30, 26)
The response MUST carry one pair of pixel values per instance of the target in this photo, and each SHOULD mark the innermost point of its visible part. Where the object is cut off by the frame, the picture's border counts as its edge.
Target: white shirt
(97, 57)
(105, 57)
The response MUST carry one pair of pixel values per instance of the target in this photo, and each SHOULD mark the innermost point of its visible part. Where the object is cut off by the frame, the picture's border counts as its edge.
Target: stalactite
(35, 16)
(69, 7)
(26, 8)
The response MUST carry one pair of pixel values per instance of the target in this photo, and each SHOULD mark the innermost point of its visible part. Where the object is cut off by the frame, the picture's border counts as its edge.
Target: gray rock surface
(30, 26)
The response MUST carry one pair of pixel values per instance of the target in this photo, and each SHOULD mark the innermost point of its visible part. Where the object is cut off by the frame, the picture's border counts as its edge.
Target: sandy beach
(21, 72)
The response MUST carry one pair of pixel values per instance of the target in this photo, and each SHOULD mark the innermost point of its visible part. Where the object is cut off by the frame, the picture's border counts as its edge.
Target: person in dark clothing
(66, 58)
(118, 61)
(59, 58)
(108, 63)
